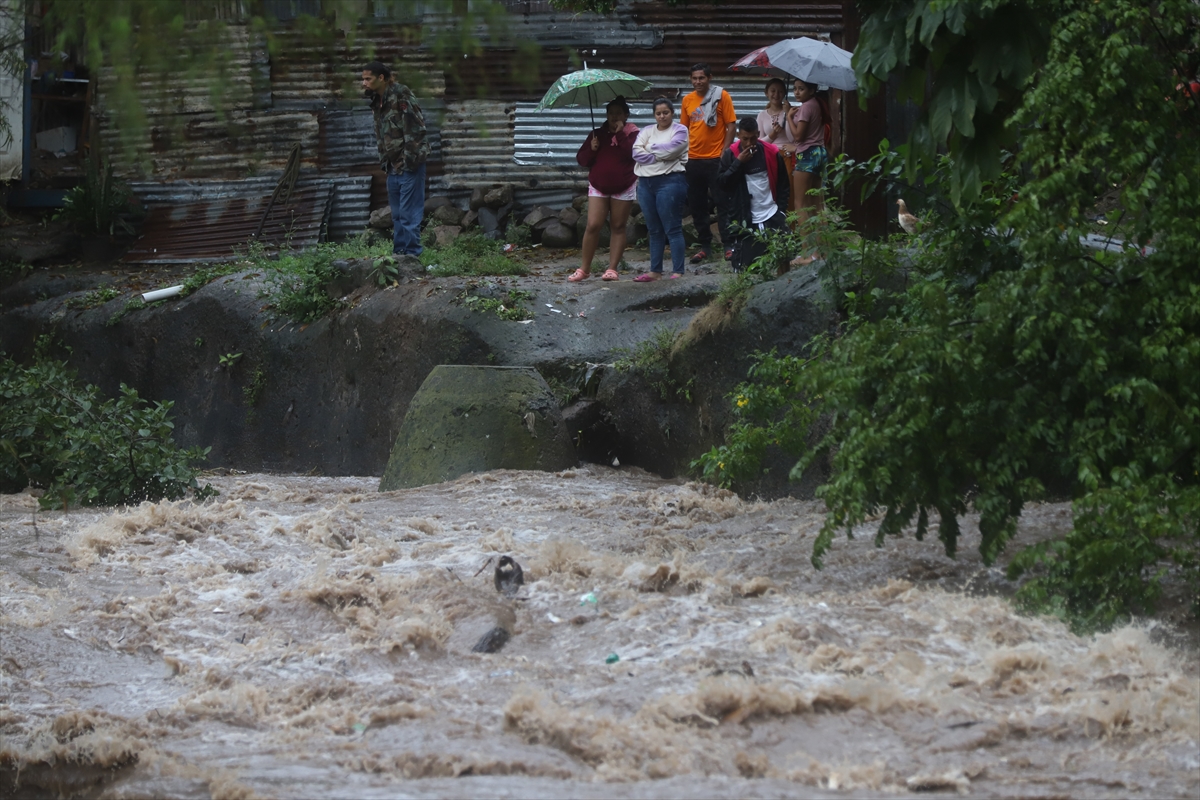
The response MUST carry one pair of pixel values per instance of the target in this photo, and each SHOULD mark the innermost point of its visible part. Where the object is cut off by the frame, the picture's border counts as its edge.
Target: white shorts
(628, 194)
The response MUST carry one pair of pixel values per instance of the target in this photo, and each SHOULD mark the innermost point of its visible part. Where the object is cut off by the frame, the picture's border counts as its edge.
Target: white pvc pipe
(159, 294)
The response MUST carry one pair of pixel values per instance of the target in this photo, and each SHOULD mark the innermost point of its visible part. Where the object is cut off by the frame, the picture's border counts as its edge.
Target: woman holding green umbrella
(612, 187)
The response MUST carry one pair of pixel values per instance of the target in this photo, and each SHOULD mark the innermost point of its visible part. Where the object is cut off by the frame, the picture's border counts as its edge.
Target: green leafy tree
(12, 61)
(83, 449)
(1004, 361)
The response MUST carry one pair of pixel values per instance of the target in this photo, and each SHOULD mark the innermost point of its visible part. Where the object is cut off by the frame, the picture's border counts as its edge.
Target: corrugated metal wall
(480, 115)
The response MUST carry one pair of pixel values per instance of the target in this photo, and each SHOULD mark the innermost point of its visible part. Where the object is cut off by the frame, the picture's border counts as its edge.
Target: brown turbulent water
(310, 637)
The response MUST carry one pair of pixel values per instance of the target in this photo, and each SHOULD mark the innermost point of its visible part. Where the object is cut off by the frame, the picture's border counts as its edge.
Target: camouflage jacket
(399, 128)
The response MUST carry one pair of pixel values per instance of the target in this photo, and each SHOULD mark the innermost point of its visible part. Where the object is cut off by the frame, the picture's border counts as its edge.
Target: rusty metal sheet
(348, 136)
(350, 212)
(214, 230)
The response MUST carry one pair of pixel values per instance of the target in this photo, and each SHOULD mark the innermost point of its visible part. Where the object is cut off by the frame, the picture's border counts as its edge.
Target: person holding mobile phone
(754, 190)
(773, 126)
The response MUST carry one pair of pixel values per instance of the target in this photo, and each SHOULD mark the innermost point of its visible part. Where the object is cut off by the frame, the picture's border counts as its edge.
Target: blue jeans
(662, 198)
(406, 196)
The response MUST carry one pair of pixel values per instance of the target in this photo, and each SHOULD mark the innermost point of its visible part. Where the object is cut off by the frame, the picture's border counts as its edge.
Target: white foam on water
(303, 635)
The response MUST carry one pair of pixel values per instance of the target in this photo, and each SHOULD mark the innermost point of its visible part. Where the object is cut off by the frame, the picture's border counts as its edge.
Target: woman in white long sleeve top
(660, 152)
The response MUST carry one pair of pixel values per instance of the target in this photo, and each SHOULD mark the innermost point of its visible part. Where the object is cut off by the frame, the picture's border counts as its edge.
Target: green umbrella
(592, 86)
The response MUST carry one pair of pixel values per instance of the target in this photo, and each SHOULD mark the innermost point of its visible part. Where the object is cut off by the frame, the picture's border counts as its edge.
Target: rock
(690, 237)
(546, 223)
(350, 275)
(498, 197)
(30, 244)
(492, 641)
(444, 235)
(434, 203)
(445, 215)
(568, 216)
(537, 215)
(477, 196)
(473, 419)
(580, 204)
(502, 215)
(636, 230)
(485, 627)
(470, 220)
(488, 220)
(581, 226)
(710, 357)
(558, 235)
(381, 218)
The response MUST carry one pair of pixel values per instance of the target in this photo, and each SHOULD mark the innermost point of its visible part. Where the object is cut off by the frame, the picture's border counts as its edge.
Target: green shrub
(988, 371)
(471, 254)
(652, 360)
(769, 410)
(510, 307)
(94, 298)
(133, 304)
(102, 204)
(12, 270)
(518, 234)
(82, 449)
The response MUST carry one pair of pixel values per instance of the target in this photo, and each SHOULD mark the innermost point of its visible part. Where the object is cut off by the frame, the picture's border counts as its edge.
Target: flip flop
(646, 277)
(675, 276)
(610, 275)
(579, 275)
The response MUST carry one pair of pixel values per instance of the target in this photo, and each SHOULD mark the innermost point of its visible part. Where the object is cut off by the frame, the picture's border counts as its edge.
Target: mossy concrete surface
(473, 419)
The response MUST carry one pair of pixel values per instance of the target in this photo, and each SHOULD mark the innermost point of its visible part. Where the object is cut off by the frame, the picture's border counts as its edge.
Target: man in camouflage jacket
(403, 150)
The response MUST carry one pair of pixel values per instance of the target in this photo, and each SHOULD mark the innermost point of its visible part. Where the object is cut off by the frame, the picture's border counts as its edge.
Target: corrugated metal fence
(482, 126)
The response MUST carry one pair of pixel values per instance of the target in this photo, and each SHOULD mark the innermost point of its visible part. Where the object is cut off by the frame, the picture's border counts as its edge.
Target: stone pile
(494, 210)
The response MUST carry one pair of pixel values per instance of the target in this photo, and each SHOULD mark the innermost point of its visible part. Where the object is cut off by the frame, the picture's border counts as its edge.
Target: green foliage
(519, 235)
(133, 304)
(254, 389)
(652, 360)
(991, 359)
(82, 449)
(385, 271)
(101, 204)
(208, 273)
(976, 58)
(228, 360)
(93, 298)
(12, 270)
(471, 254)
(510, 307)
(12, 63)
(252, 393)
(769, 411)
(970, 65)
(300, 281)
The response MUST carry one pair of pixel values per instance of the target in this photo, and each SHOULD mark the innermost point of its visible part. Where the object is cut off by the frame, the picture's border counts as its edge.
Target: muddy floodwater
(311, 637)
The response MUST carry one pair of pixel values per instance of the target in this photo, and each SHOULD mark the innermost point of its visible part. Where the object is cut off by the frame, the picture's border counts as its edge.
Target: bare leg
(806, 206)
(597, 213)
(620, 218)
(801, 183)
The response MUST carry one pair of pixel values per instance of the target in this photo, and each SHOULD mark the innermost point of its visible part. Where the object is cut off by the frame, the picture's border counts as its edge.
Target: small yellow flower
(742, 401)
(720, 465)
